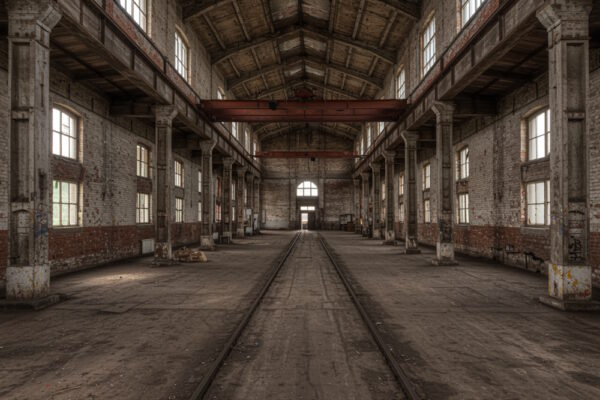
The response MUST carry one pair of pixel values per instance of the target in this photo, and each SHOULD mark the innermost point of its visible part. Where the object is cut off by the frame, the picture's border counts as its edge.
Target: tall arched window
(307, 189)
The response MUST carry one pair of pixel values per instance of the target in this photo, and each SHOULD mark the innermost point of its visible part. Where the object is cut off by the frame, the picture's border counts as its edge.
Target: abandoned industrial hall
(299, 199)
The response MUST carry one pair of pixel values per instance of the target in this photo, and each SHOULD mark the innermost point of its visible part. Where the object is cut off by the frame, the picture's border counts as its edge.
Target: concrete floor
(131, 331)
(474, 331)
(306, 341)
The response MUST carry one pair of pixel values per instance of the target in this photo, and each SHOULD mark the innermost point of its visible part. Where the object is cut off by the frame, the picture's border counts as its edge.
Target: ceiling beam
(240, 19)
(359, 17)
(300, 82)
(346, 127)
(293, 30)
(303, 129)
(194, 9)
(408, 9)
(248, 76)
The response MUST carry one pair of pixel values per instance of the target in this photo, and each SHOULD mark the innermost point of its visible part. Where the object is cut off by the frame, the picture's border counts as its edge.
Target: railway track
(394, 366)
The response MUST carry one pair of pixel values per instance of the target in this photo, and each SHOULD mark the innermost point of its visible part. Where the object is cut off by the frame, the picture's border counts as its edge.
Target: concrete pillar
(445, 183)
(256, 204)
(164, 181)
(364, 177)
(410, 192)
(376, 196)
(569, 273)
(356, 200)
(208, 197)
(29, 26)
(226, 220)
(250, 203)
(241, 178)
(390, 196)
(293, 215)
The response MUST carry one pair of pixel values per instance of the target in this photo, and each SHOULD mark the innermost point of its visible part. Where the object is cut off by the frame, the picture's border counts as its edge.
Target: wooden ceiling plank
(359, 17)
(214, 31)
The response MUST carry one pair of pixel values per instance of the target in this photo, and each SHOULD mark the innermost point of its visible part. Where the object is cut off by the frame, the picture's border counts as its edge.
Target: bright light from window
(401, 85)
(428, 39)
(64, 134)
(307, 189)
(137, 10)
(469, 8)
(181, 56)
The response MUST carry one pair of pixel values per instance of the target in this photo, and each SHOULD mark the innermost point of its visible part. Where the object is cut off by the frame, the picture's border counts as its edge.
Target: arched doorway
(307, 199)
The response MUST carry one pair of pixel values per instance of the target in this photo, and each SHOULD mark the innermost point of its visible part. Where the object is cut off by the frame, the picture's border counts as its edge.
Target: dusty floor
(474, 331)
(131, 331)
(306, 341)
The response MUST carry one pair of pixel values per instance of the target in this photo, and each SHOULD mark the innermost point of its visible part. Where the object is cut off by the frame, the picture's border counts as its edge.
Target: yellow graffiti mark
(575, 282)
(569, 274)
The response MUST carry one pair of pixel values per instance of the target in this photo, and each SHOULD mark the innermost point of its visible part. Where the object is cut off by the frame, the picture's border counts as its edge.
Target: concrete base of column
(239, 233)
(27, 283)
(411, 247)
(570, 288)
(376, 234)
(226, 238)
(207, 243)
(444, 254)
(390, 238)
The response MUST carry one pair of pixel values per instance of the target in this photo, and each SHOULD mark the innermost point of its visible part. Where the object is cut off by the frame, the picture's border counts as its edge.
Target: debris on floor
(188, 255)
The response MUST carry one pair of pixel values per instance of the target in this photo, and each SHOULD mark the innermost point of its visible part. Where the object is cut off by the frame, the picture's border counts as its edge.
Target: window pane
(55, 214)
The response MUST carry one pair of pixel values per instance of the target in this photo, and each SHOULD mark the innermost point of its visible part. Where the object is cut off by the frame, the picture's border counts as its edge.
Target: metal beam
(306, 154)
(294, 130)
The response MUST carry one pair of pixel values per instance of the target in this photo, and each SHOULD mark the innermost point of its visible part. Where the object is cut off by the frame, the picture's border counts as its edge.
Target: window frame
(429, 46)
(182, 66)
(545, 204)
(546, 135)
(139, 210)
(199, 210)
(75, 121)
(140, 148)
(463, 209)
(401, 84)
(68, 203)
(199, 181)
(427, 211)
(473, 6)
(462, 168)
(426, 177)
(401, 185)
(301, 189)
(179, 210)
(129, 8)
(178, 175)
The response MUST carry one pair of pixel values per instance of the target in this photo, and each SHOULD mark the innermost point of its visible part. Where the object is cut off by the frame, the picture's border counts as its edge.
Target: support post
(410, 192)
(164, 182)
(390, 204)
(569, 272)
(445, 183)
(241, 179)
(364, 177)
(250, 202)
(29, 25)
(256, 205)
(226, 220)
(208, 197)
(376, 195)
(356, 199)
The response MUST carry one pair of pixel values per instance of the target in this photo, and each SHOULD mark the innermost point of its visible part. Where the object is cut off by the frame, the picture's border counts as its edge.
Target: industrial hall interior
(299, 199)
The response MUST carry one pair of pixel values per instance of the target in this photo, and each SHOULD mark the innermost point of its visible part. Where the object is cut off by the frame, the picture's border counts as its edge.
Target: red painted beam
(304, 111)
(306, 154)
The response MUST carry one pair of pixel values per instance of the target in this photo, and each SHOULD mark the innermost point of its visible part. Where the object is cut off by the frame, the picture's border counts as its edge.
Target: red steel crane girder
(306, 154)
(304, 111)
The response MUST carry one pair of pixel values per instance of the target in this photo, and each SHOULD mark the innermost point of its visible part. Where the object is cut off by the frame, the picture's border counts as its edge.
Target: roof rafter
(300, 129)
(407, 8)
(248, 76)
(299, 82)
(321, 34)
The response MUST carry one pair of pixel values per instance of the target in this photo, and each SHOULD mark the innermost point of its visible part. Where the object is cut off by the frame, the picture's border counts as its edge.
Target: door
(311, 221)
(304, 221)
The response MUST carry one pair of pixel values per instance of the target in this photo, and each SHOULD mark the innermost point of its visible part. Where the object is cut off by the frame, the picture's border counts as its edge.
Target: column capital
(26, 16)
(164, 114)
(241, 170)
(444, 110)
(375, 166)
(207, 146)
(410, 137)
(228, 162)
(574, 13)
(364, 176)
(389, 155)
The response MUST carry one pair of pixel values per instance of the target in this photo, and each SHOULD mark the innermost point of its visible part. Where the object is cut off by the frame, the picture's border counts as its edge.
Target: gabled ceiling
(267, 49)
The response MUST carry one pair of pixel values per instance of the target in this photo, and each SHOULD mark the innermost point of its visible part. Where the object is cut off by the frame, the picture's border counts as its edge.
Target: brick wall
(333, 177)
